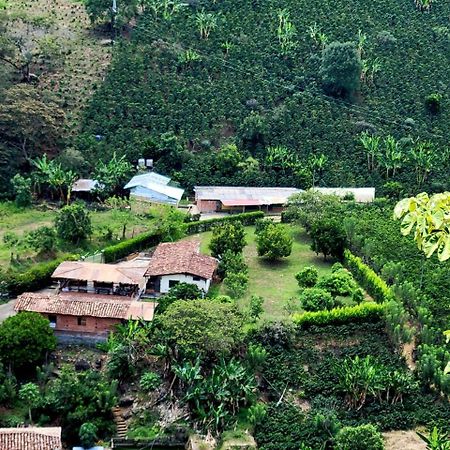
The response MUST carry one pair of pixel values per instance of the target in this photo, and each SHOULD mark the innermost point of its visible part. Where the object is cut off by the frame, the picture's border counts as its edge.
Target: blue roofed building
(152, 187)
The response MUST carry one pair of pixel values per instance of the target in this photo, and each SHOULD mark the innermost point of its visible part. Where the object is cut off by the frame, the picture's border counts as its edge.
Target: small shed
(152, 187)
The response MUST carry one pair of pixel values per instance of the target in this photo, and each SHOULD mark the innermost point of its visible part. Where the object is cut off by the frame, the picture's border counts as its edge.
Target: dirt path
(403, 440)
(7, 310)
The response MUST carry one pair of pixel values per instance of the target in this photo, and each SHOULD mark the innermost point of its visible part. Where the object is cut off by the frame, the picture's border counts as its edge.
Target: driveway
(7, 310)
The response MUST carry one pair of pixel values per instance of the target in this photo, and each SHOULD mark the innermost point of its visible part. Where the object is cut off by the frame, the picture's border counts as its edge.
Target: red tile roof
(73, 304)
(181, 257)
(32, 438)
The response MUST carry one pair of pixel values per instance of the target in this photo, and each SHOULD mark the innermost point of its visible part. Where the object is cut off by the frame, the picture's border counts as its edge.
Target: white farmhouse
(179, 262)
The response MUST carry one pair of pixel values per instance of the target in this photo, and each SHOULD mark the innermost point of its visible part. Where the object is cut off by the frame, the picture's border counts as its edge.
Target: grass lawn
(22, 220)
(275, 281)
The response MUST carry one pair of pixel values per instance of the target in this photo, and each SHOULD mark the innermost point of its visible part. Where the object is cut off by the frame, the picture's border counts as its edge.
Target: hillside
(245, 81)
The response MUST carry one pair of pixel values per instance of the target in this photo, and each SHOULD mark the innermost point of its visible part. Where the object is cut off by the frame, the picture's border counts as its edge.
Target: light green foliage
(88, 434)
(316, 299)
(201, 327)
(255, 308)
(436, 440)
(30, 395)
(25, 339)
(307, 277)
(236, 284)
(228, 159)
(231, 263)
(42, 240)
(73, 223)
(228, 236)
(274, 242)
(256, 413)
(171, 225)
(341, 68)
(149, 381)
(339, 282)
(206, 22)
(256, 355)
(363, 437)
(112, 175)
(181, 291)
(429, 219)
(22, 190)
(121, 211)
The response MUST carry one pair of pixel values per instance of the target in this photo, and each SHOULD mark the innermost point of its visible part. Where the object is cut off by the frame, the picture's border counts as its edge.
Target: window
(195, 278)
(81, 321)
(52, 320)
(173, 283)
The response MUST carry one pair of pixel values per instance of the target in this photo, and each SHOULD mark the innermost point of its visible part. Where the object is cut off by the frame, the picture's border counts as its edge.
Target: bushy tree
(316, 299)
(341, 68)
(231, 262)
(255, 307)
(8, 386)
(88, 434)
(25, 340)
(340, 282)
(181, 291)
(201, 327)
(362, 437)
(42, 240)
(274, 242)
(236, 283)
(73, 223)
(22, 190)
(30, 395)
(227, 236)
(307, 277)
(328, 237)
(112, 175)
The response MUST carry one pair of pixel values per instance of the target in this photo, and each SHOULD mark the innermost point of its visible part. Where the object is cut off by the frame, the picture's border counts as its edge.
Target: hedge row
(365, 312)
(367, 278)
(37, 277)
(205, 225)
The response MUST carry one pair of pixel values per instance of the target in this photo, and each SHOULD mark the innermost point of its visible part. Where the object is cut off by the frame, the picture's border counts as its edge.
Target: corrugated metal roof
(77, 304)
(84, 185)
(145, 178)
(238, 202)
(362, 195)
(31, 438)
(155, 191)
(265, 195)
(106, 273)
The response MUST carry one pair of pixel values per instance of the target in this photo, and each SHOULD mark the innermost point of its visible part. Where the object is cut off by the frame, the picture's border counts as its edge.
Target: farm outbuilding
(152, 187)
(240, 199)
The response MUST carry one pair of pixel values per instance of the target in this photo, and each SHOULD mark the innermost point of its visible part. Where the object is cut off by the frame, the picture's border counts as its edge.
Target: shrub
(328, 237)
(307, 277)
(229, 236)
(274, 242)
(358, 296)
(149, 381)
(316, 299)
(22, 190)
(25, 340)
(42, 240)
(231, 262)
(236, 284)
(363, 437)
(338, 283)
(73, 223)
(205, 225)
(88, 434)
(366, 312)
(433, 103)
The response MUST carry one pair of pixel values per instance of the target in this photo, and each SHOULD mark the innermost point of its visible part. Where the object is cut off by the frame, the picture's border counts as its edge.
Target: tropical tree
(30, 395)
(112, 175)
(393, 157)
(371, 146)
(319, 38)
(429, 219)
(328, 237)
(228, 236)
(73, 223)
(163, 8)
(274, 242)
(422, 155)
(281, 159)
(206, 22)
(286, 32)
(317, 165)
(436, 440)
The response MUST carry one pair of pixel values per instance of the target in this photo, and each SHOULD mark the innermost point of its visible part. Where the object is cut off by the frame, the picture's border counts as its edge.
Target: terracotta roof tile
(73, 304)
(181, 257)
(30, 438)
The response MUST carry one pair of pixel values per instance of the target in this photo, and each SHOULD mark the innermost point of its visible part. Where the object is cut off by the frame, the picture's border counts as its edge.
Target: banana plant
(436, 440)
(422, 156)
(206, 22)
(286, 32)
(371, 146)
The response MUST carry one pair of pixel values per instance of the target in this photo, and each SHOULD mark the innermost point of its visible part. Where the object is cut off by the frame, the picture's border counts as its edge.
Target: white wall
(183, 278)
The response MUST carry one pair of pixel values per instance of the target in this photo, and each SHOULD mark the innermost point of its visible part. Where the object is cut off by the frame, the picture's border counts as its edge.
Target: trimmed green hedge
(205, 225)
(37, 277)
(366, 312)
(367, 278)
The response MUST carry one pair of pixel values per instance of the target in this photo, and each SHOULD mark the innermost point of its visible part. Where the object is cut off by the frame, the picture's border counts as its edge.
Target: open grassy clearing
(22, 220)
(275, 281)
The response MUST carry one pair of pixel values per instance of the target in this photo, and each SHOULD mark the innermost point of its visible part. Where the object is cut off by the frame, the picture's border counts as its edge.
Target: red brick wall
(93, 324)
(207, 205)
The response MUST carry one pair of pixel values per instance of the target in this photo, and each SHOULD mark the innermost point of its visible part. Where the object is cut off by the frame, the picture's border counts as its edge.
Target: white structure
(180, 262)
(154, 188)
(361, 195)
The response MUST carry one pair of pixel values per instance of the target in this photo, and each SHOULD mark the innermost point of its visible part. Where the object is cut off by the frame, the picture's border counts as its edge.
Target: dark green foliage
(307, 277)
(364, 437)
(22, 190)
(328, 238)
(181, 291)
(149, 381)
(8, 386)
(316, 299)
(231, 263)
(25, 340)
(236, 283)
(255, 308)
(201, 327)
(205, 225)
(73, 223)
(227, 237)
(88, 434)
(42, 240)
(274, 242)
(341, 68)
(433, 103)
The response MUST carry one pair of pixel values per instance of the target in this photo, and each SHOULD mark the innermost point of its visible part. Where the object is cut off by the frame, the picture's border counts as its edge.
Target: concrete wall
(94, 325)
(183, 278)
